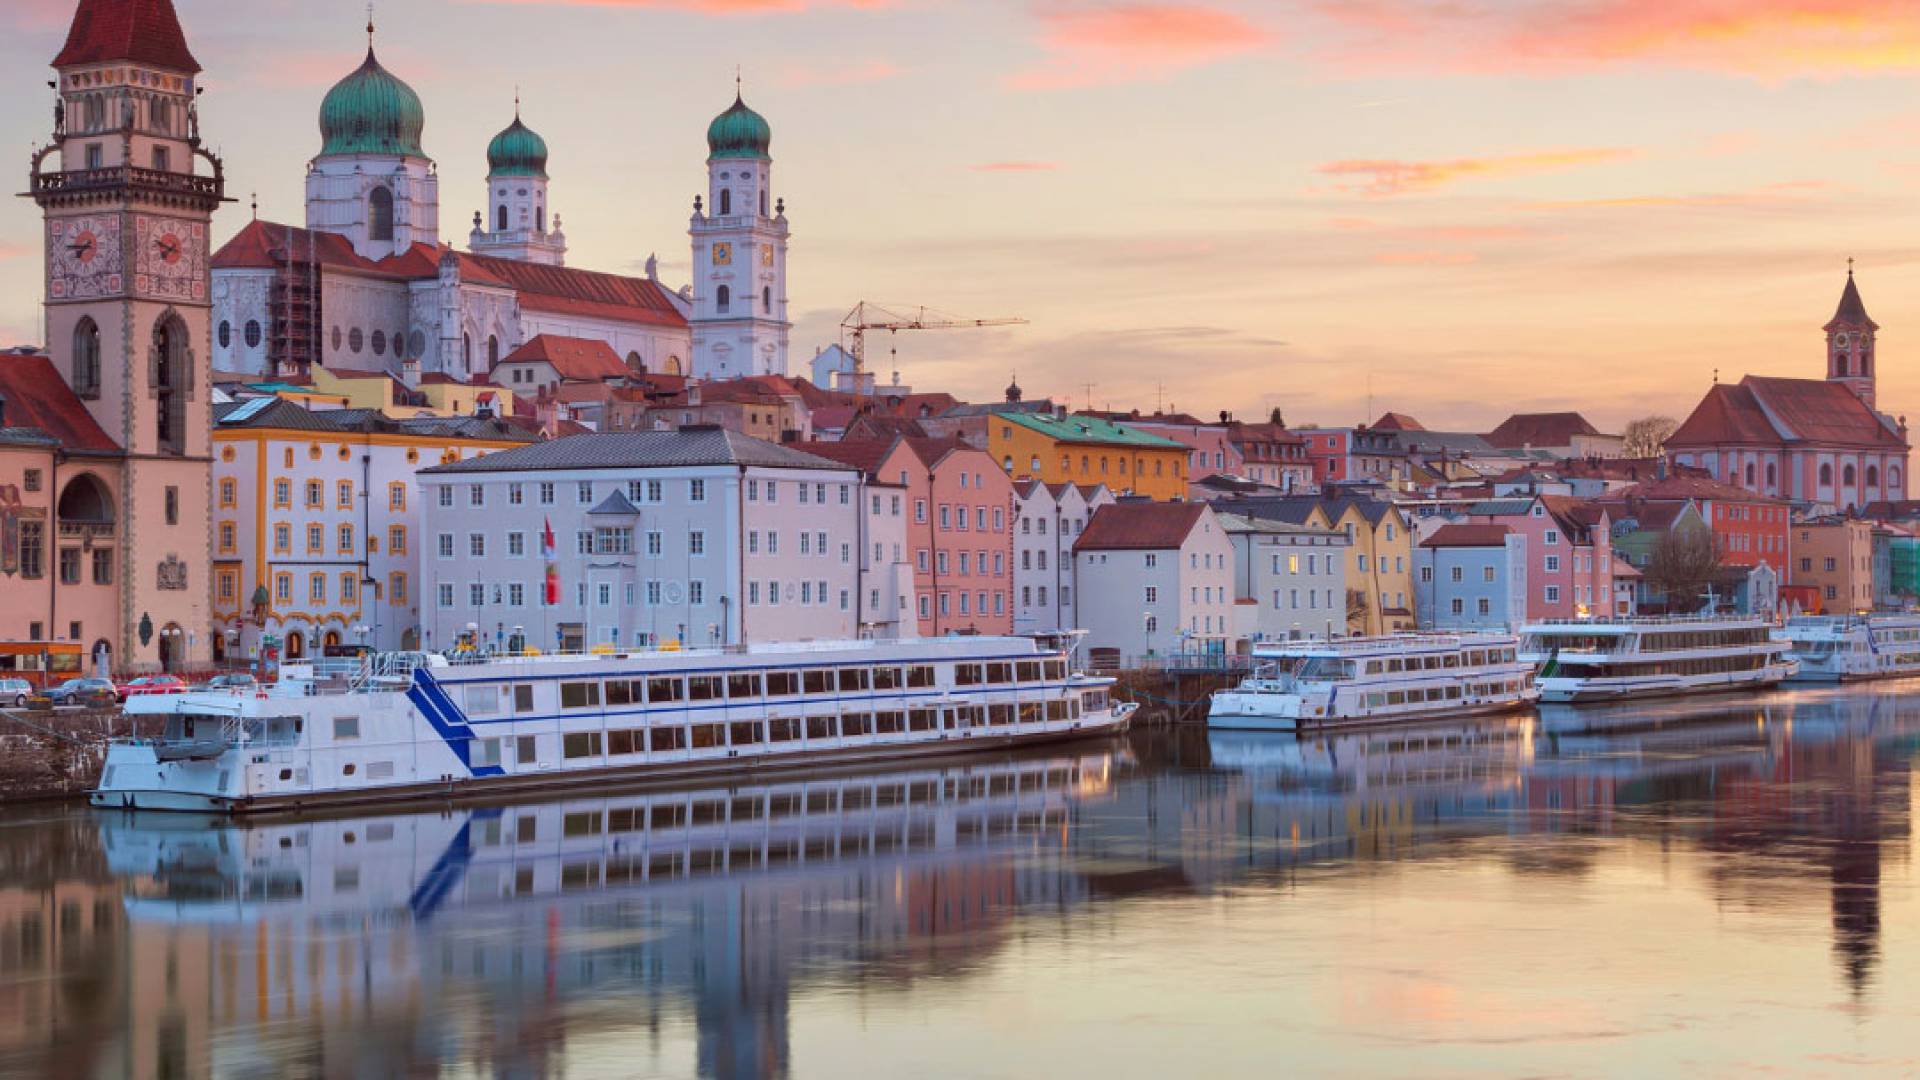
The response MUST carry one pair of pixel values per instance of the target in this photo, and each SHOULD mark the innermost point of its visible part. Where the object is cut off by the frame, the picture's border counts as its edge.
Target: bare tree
(1647, 436)
(1684, 561)
(1358, 604)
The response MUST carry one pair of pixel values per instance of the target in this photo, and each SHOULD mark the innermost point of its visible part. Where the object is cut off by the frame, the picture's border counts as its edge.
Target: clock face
(83, 258)
(723, 254)
(766, 254)
(170, 259)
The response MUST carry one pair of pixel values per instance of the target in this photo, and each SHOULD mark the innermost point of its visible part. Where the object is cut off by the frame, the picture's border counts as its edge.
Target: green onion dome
(517, 151)
(371, 112)
(739, 133)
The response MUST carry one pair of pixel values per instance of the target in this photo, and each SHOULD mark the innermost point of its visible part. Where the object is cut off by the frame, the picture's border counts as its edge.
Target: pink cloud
(1764, 38)
(1391, 177)
(1097, 46)
(1016, 166)
(1426, 258)
(872, 71)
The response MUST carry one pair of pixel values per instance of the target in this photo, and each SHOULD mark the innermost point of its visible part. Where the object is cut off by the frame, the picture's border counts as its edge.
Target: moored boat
(1615, 659)
(1845, 648)
(1319, 684)
(408, 725)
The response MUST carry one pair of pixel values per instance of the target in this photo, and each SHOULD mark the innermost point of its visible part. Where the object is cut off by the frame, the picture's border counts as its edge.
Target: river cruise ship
(1844, 648)
(1297, 685)
(1615, 659)
(412, 725)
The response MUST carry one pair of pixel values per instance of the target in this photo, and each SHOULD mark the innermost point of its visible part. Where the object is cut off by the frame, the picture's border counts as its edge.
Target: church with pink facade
(1817, 442)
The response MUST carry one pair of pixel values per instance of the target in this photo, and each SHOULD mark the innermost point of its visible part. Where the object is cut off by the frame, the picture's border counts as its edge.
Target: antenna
(369, 27)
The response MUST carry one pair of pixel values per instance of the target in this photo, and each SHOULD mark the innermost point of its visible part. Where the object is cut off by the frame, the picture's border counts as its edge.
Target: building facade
(1057, 449)
(1472, 577)
(1051, 516)
(739, 318)
(1289, 581)
(1833, 562)
(1153, 579)
(1569, 548)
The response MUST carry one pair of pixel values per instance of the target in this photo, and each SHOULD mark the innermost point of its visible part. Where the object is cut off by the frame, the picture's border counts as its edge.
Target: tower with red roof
(1850, 336)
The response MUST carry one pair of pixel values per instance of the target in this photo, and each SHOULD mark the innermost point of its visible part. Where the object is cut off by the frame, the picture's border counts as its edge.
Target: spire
(142, 31)
(369, 29)
(1852, 312)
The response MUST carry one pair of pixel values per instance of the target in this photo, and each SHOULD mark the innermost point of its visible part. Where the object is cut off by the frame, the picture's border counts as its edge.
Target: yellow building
(437, 395)
(1379, 568)
(316, 521)
(1087, 450)
(1835, 560)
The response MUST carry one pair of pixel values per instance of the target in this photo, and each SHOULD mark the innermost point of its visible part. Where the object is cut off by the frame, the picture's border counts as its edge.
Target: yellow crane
(867, 316)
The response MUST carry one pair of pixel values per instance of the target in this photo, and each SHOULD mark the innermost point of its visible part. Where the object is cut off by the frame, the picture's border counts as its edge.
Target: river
(1717, 887)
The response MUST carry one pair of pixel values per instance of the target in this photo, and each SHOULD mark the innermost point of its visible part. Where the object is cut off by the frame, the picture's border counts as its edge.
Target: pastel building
(1289, 581)
(1050, 516)
(1088, 450)
(1354, 455)
(1833, 562)
(1569, 548)
(1272, 455)
(1472, 577)
(695, 536)
(1153, 579)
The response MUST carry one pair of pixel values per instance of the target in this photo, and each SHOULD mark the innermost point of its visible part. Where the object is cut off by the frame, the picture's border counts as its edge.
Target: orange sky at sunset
(1472, 206)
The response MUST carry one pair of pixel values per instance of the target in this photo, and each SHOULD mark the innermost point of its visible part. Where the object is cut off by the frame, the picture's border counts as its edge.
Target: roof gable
(1140, 526)
(576, 359)
(1540, 429)
(143, 31)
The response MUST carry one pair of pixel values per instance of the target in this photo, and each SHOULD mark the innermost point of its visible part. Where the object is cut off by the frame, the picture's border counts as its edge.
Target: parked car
(240, 681)
(15, 692)
(147, 685)
(84, 692)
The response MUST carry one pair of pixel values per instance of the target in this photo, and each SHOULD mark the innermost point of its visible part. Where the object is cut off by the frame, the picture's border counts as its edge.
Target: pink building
(1211, 449)
(960, 512)
(1569, 552)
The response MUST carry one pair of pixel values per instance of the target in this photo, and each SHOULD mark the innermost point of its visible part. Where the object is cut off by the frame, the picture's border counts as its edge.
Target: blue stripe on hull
(447, 720)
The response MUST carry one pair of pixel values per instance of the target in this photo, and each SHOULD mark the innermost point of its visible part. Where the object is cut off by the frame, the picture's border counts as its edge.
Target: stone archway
(172, 643)
(296, 645)
(330, 639)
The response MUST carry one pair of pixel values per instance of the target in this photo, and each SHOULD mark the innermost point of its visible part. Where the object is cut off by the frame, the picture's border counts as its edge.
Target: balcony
(126, 177)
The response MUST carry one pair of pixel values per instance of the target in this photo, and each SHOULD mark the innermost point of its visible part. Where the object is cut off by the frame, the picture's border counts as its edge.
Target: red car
(151, 684)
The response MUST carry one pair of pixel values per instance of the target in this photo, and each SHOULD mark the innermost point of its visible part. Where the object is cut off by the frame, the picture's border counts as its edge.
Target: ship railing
(1648, 620)
(1384, 643)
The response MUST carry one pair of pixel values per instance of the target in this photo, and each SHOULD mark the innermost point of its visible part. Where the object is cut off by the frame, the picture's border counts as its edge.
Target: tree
(1276, 419)
(1684, 561)
(1357, 607)
(1647, 436)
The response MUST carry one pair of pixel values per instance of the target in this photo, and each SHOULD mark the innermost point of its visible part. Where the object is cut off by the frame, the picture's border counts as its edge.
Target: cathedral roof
(371, 112)
(1852, 311)
(143, 31)
(517, 151)
(1763, 411)
(739, 133)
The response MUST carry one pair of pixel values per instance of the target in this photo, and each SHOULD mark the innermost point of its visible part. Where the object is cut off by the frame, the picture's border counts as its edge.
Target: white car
(14, 692)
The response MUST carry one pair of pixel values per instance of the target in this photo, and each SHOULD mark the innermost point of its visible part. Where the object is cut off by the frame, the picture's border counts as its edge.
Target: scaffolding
(294, 342)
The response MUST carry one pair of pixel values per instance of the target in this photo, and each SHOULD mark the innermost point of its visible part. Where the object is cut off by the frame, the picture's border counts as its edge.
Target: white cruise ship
(1614, 659)
(1843, 648)
(412, 725)
(1298, 685)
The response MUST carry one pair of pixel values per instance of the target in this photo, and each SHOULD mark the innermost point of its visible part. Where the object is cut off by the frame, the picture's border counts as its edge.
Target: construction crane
(867, 316)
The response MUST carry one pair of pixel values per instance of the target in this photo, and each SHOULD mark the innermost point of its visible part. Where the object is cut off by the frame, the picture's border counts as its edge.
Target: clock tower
(128, 213)
(739, 319)
(1850, 341)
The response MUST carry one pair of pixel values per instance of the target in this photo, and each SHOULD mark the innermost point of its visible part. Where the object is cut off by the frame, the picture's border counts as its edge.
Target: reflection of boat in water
(391, 727)
(1845, 648)
(1301, 685)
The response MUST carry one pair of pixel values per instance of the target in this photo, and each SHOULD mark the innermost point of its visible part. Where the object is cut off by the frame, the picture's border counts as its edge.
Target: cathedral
(367, 285)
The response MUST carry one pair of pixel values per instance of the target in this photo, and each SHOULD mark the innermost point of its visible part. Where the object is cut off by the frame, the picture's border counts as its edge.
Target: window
(283, 539)
(396, 539)
(397, 497)
(380, 214)
(476, 595)
(696, 542)
(1153, 594)
(316, 494)
(1553, 563)
(228, 538)
(343, 495)
(445, 545)
(723, 296)
(477, 545)
(1552, 594)
(696, 491)
(517, 544)
(69, 566)
(445, 493)
(476, 495)
(397, 588)
(546, 493)
(316, 538)
(345, 540)
(316, 588)
(86, 359)
(283, 493)
(584, 492)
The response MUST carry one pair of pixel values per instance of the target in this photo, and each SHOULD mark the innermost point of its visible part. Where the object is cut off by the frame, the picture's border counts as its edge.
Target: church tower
(515, 225)
(127, 308)
(1850, 344)
(739, 319)
(371, 182)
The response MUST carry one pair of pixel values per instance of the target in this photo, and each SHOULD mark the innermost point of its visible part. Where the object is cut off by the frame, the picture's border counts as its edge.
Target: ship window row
(1440, 661)
(758, 686)
(853, 725)
(1705, 665)
(1674, 641)
(1442, 694)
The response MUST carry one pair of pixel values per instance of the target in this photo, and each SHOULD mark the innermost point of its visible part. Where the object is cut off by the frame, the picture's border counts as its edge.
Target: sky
(1455, 209)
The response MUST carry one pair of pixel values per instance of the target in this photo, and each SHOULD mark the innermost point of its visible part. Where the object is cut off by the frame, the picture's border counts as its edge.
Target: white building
(316, 522)
(739, 319)
(886, 570)
(696, 536)
(1154, 578)
(1289, 581)
(1051, 515)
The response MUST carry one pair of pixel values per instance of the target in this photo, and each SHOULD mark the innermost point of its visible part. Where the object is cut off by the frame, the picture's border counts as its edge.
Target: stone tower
(371, 181)
(739, 319)
(127, 311)
(1850, 338)
(515, 225)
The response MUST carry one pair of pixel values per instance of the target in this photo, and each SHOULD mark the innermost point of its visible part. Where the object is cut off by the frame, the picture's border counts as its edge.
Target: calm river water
(1710, 888)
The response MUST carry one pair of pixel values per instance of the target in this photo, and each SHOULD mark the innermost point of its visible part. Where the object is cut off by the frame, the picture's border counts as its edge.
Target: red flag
(549, 550)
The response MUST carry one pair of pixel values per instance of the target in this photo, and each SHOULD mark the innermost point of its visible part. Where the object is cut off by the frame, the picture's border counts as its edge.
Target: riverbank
(54, 755)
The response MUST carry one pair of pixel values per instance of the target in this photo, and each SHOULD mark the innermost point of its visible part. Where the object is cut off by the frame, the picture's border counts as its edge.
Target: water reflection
(676, 932)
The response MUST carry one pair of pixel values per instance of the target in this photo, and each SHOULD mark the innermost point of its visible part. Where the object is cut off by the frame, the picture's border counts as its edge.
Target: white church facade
(368, 285)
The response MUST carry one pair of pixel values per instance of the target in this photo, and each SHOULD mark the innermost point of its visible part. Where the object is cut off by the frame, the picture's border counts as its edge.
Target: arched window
(226, 334)
(86, 359)
(1826, 476)
(763, 202)
(380, 214)
(1893, 479)
(726, 200)
(635, 363)
(1873, 476)
(170, 381)
(1847, 475)
(160, 114)
(253, 333)
(85, 501)
(723, 299)
(540, 219)
(493, 350)
(1750, 474)
(466, 352)
(766, 299)
(500, 218)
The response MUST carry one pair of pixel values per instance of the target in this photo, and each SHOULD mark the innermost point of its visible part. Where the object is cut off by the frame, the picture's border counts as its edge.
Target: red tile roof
(37, 397)
(1688, 487)
(1394, 421)
(1852, 312)
(1468, 535)
(932, 452)
(1149, 526)
(1765, 411)
(1540, 430)
(143, 31)
(867, 455)
(576, 359)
